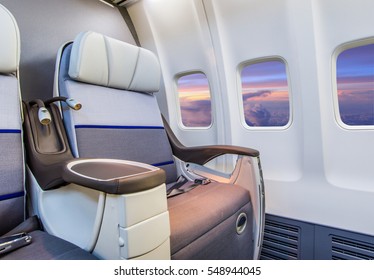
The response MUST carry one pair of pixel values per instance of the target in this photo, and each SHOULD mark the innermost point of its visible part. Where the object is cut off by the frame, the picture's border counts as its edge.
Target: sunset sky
(194, 99)
(355, 81)
(265, 92)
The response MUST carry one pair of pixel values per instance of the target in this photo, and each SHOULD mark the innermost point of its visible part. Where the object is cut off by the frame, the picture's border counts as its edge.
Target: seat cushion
(48, 247)
(203, 223)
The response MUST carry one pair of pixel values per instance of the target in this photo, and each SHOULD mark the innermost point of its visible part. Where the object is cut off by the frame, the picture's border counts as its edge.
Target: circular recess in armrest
(113, 176)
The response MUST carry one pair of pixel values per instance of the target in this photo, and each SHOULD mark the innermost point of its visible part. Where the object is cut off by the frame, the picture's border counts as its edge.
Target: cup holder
(241, 223)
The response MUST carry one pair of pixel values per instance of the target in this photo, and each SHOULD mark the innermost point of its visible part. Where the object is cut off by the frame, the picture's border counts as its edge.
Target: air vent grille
(281, 241)
(348, 249)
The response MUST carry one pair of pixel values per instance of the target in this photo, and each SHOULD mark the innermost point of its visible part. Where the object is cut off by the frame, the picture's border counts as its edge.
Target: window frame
(334, 79)
(179, 109)
(240, 68)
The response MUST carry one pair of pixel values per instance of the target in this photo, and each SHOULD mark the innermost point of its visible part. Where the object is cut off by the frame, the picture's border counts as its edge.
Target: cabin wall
(178, 32)
(46, 25)
(315, 170)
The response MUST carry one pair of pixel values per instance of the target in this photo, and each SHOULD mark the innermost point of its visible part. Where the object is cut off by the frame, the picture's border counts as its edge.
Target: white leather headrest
(9, 42)
(101, 60)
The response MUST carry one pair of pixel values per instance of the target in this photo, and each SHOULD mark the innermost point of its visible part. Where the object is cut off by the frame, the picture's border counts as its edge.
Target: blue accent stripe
(118, 127)
(163, 163)
(11, 195)
(16, 131)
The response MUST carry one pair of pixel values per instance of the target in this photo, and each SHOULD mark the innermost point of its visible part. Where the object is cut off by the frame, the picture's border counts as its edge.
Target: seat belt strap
(177, 188)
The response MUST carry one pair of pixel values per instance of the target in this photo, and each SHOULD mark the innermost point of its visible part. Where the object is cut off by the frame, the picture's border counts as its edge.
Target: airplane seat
(20, 238)
(120, 119)
(11, 165)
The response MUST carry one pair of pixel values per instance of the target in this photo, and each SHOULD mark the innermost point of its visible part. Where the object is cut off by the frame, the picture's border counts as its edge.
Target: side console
(115, 209)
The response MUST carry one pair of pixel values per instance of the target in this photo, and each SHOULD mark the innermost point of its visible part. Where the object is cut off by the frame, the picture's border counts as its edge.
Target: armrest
(203, 154)
(113, 176)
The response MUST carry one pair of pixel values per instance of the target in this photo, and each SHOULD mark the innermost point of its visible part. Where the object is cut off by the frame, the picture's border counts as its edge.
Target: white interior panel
(181, 40)
(73, 213)
(349, 152)
(315, 170)
(235, 26)
(138, 240)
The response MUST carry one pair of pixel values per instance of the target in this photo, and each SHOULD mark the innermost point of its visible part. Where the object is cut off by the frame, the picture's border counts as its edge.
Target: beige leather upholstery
(9, 42)
(98, 59)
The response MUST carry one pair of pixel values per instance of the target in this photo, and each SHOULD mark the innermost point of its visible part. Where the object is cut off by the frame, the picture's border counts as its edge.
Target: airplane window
(194, 100)
(265, 94)
(355, 85)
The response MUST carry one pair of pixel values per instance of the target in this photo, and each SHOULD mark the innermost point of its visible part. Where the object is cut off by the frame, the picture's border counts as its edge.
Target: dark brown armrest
(113, 176)
(203, 154)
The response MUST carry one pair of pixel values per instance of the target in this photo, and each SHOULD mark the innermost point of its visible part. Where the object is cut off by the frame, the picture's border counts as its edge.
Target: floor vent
(348, 249)
(281, 241)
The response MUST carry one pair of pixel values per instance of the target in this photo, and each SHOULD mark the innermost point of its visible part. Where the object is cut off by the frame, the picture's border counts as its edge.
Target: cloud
(353, 93)
(358, 119)
(357, 107)
(196, 113)
(257, 115)
(356, 96)
(260, 93)
(195, 105)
